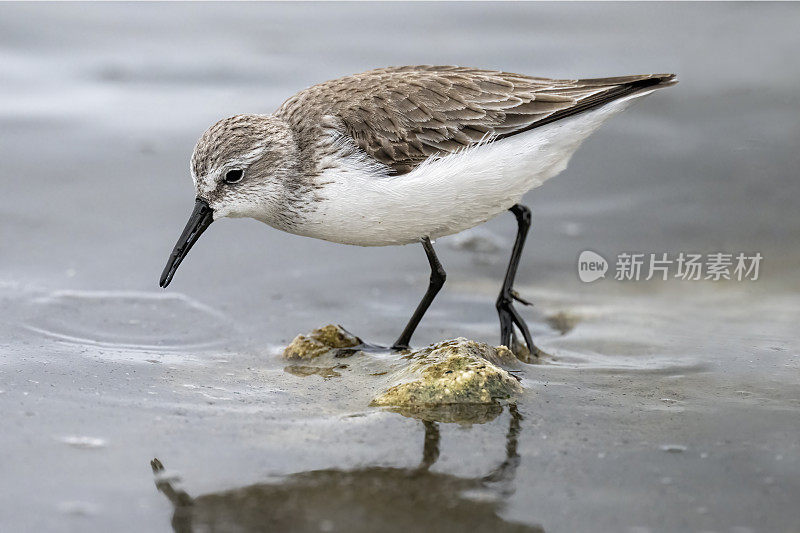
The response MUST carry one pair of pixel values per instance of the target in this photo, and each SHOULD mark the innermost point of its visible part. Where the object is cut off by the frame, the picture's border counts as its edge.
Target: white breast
(362, 205)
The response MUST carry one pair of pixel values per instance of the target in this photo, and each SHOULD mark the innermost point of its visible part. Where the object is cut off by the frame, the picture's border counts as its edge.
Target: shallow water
(662, 406)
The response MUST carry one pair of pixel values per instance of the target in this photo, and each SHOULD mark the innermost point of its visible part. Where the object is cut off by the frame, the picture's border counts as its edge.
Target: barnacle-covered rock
(457, 380)
(452, 381)
(319, 342)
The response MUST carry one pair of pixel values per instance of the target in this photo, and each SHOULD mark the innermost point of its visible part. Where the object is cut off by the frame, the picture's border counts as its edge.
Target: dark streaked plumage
(403, 115)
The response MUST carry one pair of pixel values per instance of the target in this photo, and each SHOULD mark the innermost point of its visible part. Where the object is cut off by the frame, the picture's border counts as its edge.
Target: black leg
(438, 276)
(430, 449)
(510, 317)
(507, 468)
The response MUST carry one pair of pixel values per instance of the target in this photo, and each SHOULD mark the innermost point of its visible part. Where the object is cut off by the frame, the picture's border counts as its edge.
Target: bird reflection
(368, 499)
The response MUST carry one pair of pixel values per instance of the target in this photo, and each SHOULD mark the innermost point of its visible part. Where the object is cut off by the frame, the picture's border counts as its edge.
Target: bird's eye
(234, 175)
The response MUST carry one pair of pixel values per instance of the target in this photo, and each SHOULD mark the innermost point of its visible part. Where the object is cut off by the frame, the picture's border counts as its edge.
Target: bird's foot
(515, 295)
(367, 347)
(509, 318)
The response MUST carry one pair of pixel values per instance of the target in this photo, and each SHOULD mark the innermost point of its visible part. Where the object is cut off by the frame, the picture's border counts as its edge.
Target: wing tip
(642, 80)
(651, 82)
(664, 80)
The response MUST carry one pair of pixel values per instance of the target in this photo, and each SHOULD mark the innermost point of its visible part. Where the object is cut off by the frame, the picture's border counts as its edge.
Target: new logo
(591, 266)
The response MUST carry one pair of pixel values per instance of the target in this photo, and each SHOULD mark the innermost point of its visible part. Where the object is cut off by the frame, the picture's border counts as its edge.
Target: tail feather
(621, 87)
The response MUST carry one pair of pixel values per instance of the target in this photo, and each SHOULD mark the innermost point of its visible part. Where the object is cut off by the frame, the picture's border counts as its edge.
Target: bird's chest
(357, 205)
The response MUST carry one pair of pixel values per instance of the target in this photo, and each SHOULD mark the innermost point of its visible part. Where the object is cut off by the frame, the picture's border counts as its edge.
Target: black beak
(202, 216)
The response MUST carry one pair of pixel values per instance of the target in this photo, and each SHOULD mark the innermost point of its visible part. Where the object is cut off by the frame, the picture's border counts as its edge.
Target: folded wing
(403, 115)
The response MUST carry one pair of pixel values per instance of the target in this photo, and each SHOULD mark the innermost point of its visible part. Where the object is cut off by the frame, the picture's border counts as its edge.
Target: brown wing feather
(403, 115)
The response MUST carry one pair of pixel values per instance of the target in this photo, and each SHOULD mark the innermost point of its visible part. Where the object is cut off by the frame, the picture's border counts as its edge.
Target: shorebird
(402, 155)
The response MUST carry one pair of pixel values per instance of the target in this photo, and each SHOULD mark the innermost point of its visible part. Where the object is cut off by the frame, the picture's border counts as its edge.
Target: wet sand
(663, 406)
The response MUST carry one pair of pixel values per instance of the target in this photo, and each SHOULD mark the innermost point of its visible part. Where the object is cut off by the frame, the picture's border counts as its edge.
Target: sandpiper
(401, 155)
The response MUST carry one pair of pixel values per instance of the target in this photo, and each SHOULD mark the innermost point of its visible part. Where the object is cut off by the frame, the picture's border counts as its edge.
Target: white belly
(362, 205)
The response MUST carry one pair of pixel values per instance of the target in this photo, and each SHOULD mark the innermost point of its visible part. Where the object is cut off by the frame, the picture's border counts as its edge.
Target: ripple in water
(131, 321)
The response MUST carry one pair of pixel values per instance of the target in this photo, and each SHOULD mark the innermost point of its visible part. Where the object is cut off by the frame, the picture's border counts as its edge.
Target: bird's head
(240, 166)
